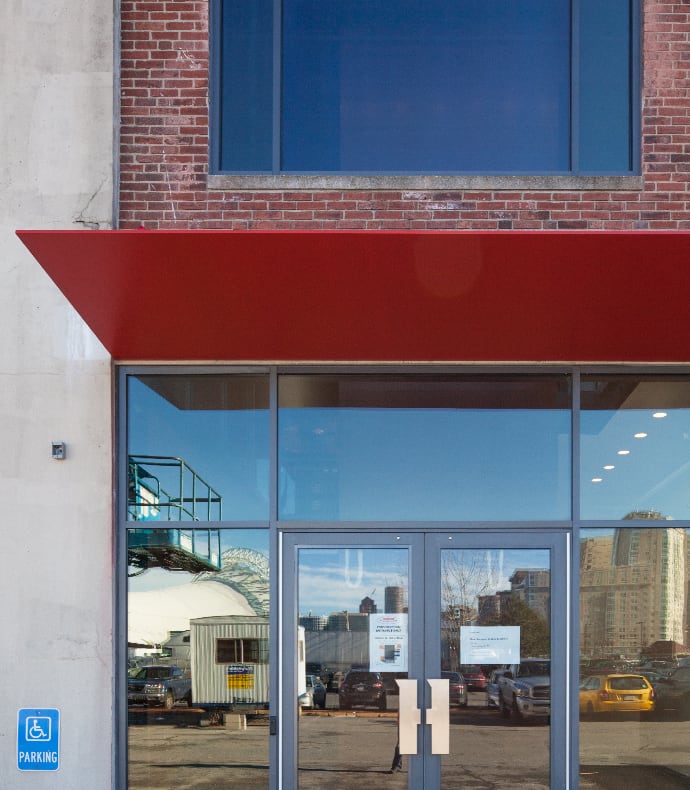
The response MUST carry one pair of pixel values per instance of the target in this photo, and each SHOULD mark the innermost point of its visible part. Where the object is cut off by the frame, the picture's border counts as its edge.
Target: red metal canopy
(376, 296)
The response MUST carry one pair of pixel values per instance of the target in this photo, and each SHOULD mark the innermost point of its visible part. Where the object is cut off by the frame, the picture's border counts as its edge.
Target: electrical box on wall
(59, 451)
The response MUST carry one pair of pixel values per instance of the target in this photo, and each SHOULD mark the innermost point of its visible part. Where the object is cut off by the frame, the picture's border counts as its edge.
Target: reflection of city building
(490, 607)
(533, 586)
(633, 586)
(394, 599)
(313, 622)
(348, 621)
(368, 606)
(460, 615)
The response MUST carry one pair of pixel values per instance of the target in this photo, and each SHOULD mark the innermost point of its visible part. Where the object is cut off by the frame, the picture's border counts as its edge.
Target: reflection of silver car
(457, 688)
(315, 695)
(492, 697)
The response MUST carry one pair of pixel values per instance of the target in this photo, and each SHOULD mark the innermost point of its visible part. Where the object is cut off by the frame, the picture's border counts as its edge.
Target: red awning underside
(376, 296)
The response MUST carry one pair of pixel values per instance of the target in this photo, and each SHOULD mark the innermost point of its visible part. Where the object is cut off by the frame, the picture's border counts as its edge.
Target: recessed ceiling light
(624, 452)
(659, 415)
(597, 479)
(640, 435)
(609, 466)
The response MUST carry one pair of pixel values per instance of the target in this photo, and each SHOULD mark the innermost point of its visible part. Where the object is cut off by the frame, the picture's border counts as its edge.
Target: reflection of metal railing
(187, 497)
(192, 550)
(165, 489)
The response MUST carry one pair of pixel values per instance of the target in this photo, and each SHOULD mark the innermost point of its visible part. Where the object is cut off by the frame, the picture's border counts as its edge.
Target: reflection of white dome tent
(246, 571)
(239, 588)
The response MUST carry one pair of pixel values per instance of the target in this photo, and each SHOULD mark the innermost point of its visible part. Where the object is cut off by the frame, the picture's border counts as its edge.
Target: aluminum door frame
(290, 544)
(424, 624)
(558, 544)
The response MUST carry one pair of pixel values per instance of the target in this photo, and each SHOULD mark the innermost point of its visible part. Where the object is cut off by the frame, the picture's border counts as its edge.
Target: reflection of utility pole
(643, 640)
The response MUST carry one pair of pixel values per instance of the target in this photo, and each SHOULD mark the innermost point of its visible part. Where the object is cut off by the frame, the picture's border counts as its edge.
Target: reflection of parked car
(457, 688)
(365, 689)
(158, 685)
(652, 676)
(315, 695)
(673, 692)
(616, 694)
(324, 674)
(525, 689)
(474, 677)
(389, 681)
(492, 696)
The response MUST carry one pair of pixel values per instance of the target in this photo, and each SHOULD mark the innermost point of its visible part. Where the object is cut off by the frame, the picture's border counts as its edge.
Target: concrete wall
(56, 94)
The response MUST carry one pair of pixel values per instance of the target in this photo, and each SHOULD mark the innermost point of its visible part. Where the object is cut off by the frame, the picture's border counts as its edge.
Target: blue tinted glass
(635, 448)
(605, 86)
(395, 449)
(370, 85)
(246, 86)
(198, 448)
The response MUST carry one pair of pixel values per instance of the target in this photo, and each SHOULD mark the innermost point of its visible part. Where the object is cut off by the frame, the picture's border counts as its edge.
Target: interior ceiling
(357, 296)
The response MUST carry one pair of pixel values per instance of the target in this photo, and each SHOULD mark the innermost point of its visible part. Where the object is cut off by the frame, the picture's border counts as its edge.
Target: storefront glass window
(415, 447)
(198, 448)
(634, 658)
(197, 659)
(635, 445)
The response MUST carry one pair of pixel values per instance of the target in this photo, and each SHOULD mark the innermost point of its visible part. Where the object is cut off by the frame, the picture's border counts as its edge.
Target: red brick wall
(164, 145)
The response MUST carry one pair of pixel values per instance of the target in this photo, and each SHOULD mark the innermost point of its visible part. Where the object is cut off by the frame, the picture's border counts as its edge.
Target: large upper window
(439, 87)
(635, 436)
(390, 447)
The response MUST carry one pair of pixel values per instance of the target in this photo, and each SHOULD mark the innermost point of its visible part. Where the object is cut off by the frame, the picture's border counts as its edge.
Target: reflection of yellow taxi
(616, 694)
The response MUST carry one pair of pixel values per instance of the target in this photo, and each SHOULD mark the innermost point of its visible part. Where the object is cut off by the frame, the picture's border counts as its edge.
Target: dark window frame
(582, 124)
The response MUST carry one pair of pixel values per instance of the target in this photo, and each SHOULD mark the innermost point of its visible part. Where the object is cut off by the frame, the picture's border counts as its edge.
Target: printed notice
(489, 644)
(388, 642)
(240, 676)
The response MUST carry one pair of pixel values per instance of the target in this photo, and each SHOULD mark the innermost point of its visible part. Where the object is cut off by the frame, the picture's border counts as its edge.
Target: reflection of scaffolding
(165, 489)
(246, 571)
(188, 497)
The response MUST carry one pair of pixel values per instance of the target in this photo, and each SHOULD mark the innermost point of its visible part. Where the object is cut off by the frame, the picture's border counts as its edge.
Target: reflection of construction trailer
(229, 657)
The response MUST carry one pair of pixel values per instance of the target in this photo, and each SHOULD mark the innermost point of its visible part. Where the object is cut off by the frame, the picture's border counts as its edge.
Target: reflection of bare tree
(465, 575)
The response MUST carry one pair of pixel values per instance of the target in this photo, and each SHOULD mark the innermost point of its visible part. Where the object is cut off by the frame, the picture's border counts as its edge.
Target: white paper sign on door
(388, 642)
(490, 644)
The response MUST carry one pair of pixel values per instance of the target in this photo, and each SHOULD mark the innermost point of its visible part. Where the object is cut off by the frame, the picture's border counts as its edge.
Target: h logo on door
(437, 716)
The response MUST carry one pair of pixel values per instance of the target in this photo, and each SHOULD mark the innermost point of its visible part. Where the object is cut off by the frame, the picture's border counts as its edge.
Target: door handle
(409, 716)
(437, 716)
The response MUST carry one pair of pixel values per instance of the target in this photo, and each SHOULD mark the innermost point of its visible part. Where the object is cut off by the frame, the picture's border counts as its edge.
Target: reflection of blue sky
(435, 464)
(487, 571)
(228, 448)
(655, 475)
(335, 580)
(160, 579)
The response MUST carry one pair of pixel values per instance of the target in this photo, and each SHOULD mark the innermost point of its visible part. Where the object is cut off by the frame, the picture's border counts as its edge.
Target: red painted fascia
(352, 296)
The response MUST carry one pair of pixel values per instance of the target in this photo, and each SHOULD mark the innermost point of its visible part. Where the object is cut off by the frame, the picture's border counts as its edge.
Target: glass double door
(423, 660)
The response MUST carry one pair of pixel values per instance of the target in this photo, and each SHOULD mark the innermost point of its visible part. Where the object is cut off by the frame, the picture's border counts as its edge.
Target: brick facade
(164, 148)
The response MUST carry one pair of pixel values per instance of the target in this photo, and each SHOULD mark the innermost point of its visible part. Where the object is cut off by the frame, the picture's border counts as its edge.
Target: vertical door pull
(409, 716)
(438, 716)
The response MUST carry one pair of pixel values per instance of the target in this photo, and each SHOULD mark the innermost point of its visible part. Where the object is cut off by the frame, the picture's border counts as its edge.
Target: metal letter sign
(38, 739)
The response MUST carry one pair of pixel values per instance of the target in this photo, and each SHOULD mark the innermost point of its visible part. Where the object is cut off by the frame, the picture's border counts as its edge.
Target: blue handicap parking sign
(38, 739)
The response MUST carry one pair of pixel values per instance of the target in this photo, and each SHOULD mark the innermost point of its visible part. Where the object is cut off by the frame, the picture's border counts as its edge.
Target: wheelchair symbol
(38, 728)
